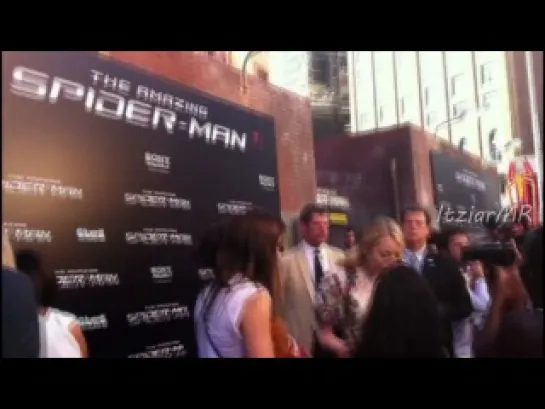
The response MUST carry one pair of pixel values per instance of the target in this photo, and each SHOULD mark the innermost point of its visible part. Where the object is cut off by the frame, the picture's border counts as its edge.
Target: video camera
(501, 254)
(499, 251)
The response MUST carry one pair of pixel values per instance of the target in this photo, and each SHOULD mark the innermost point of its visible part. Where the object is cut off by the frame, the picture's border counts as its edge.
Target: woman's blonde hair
(372, 233)
(8, 259)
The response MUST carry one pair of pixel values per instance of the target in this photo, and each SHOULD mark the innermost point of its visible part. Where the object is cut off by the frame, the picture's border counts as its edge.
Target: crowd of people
(398, 290)
(401, 290)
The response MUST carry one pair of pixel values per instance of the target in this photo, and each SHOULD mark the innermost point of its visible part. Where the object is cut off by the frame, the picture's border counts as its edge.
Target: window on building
(459, 109)
(320, 67)
(503, 183)
(492, 136)
(462, 143)
(456, 85)
(493, 150)
(343, 61)
(399, 59)
(363, 119)
(380, 113)
(431, 119)
(428, 90)
(488, 99)
(486, 73)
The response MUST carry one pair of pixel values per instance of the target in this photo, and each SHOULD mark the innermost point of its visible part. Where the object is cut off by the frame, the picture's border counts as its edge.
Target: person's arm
(20, 331)
(255, 326)
(479, 295)
(508, 294)
(77, 333)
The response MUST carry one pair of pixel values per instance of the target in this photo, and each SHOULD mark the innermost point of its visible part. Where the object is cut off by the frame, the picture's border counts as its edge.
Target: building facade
(461, 96)
(476, 100)
(520, 98)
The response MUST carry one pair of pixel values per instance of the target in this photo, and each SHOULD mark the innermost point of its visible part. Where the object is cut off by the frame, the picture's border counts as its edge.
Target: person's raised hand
(508, 289)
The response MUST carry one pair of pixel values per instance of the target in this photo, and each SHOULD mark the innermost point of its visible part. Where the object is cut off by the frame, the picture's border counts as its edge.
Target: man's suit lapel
(304, 270)
(428, 265)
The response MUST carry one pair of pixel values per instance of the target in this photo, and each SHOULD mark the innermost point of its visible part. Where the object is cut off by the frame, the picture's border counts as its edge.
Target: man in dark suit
(20, 333)
(441, 273)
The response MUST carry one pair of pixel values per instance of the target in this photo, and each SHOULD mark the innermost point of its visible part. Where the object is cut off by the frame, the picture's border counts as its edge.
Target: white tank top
(56, 340)
(223, 320)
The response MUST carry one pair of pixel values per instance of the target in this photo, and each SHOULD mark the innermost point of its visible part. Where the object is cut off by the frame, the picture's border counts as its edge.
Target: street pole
(538, 153)
(243, 84)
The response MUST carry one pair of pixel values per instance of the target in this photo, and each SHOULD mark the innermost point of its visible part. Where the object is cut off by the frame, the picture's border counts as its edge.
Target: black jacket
(449, 287)
(20, 333)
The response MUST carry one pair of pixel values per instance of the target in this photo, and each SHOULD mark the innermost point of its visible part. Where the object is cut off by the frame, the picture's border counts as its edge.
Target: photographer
(513, 329)
(451, 242)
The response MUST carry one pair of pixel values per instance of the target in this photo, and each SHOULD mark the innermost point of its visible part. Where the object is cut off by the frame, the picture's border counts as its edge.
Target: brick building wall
(292, 114)
(519, 98)
(383, 190)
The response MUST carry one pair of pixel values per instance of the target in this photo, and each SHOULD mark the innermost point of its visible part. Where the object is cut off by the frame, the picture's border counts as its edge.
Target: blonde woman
(345, 294)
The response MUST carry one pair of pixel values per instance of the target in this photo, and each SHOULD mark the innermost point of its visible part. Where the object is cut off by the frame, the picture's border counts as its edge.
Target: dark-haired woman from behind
(233, 314)
(403, 320)
(61, 336)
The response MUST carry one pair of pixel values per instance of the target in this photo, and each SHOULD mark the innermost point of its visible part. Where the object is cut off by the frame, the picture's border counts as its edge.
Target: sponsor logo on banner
(234, 208)
(173, 349)
(267, 182)
(118, 99)
(161, 274)
(22, 233)
(150, 198)
(85, 278)
(85, 235)
(93, 323)
(470, 179)
(157, 163)
(158, 237)
(39, 187)
(205, 274)
(156, 314)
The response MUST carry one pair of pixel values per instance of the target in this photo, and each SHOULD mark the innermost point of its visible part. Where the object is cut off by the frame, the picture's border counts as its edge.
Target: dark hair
(45, 284)
(403, 320)
(447, 232)
(248, 247)
(435, 238)
(416, 208)
(206, 251)
(310, 210)
(532, 270)
(349, 229)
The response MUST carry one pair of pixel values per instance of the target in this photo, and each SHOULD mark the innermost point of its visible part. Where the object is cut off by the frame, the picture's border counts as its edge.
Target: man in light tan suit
(301, 268)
